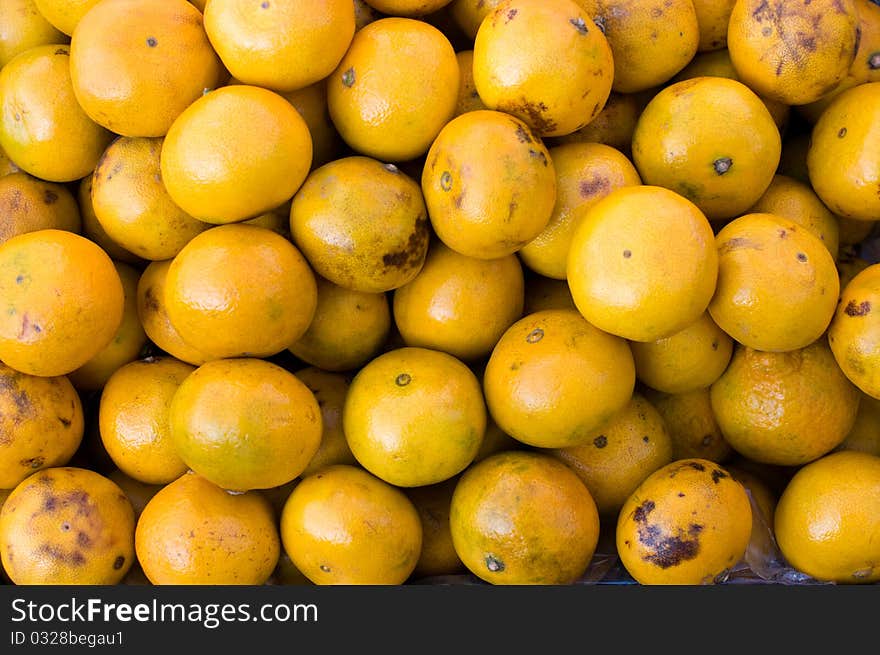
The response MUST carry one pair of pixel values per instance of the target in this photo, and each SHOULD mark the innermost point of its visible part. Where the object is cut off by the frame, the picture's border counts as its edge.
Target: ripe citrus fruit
(642, 263)
(64, 14)
(854, 334)
(22, 27)
(521, 517)
(245, 423)
(343, 525)
(686, 523)
(414, 416)
(28, 204)
(67, 525)
(56, 318)
(865, 433)
(433, 503)
(713, 17)
(193, 532)
(553, 379)
(691, 424)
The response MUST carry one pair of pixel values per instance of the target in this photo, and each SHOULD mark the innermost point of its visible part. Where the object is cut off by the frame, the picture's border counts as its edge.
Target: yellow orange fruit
(28, 204)
(854, 334)
(330, 390)
(691, 424)
(22, 27)
(433, 503)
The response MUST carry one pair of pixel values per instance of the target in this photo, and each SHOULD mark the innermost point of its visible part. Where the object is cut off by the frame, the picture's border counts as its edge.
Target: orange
(691, 424)
(865, 433)
(342, 525)
(777, 283)
(489, 184)
(521, 517)
(391, 108)
(153, 315)
(56, 318)
(133, 419)
(546, 293)
(67, 525)
(686, 524)
(126, 344)
(438, 556)
(131, 203)
(194, 533)
(795, 200)
(553, 379)
(458, 304)
(361, 224)
(28, 204)
(712, 140)
(651, 40)
(713, 17)
(793, 52)
(64, 14)
(469, 14)
(311, 103)
(624, 451)
(240, 290)
(785, 408)
(690, 359)
(613, 125)
(22, 27)
(762, 496)
(280, 44)
(495, 441)
(468, 98)
(793, 161)
(408, 7)
(844, 155)
(828, 519)
(93, 230)
(585, 173)
(43, 129)
(414, 417)
(545, 62)
(642, 263)
(364, 14)
(348, 329)
(41, 423)
(245, 423)
(854, 332)
(854, 231)
(330, 390)
(138, 493)
(137, 64)
(219, 169)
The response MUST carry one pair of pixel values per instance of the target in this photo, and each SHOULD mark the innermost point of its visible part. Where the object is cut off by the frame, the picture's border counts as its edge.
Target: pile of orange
(388, 291)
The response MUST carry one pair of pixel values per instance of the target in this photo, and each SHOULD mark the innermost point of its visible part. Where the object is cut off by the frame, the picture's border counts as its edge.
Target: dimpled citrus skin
(343, 525)
(777, 284)
(844, 155)
(545, 62)
(235, 153)
(41, 419)
(685, 524)
(56, 318)
(28, 204)
(784, 408)
(392, 107)
(460, 305)
(642, 263)
(137, 64)
(710, 139)
(854, 333)
(240, 290)
(67, 525)
(245, 423)
(553, 379)
(192, 532)
(794, 52)
(280, 44)
(826, 520)
(523, 518)
(22, 27)
(691, 424)
(133, 418)
(414, 416)
(489, 184)
(42, 127)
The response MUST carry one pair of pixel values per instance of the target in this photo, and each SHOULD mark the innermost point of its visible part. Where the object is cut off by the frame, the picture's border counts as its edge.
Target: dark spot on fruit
(595, 185)
(152, 42)
(49, 196)
(75, 557)
(722, 165)
(738, 243)
(83, 539)
(150, 300)
(539, 155)
(696, 466)
(534, 113)
(446, 180)
(670, 550)
(715, 345)
(49, 504)
(779, 69)
(718, 474)
(640, 515)
(522, 134)
(767, 31)
(841, 133)
(535, 335)
(646, 439)
(806, 42)
(515, 366)
(19, 279)
(64, 421)
(17, 116)
(600, 22)
(857, 309)
(801, 257)
(33, 462)
(494, 564)
(579, 25)
(707, 441)
(458, 201)
(874, 61)
(680, 495)
(118, 562)
(65, 527)
(264, 5)
(782, 234)
(391, 168)
(403, 379)
(601, 441)
(61, 51)
(627, 254)
(511, 15)
(348, 78)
